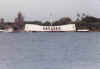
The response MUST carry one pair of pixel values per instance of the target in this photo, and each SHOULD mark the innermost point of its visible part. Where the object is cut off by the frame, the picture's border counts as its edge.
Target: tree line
(82, 22)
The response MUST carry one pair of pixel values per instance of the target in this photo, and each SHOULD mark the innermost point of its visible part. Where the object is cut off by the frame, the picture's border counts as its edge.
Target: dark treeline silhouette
(82, 22)
(88, 22)
(62, 21)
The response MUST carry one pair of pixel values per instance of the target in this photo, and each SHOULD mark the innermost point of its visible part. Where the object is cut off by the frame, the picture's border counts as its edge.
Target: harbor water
(50, 50)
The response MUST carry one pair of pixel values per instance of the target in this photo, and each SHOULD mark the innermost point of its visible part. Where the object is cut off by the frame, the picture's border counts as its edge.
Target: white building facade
(38, 28)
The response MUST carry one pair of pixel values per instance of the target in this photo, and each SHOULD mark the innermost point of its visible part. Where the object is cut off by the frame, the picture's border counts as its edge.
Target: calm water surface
(66, 50)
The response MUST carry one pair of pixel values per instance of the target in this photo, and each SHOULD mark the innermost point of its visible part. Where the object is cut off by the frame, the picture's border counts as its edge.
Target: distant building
(19, 21)
(2, 21)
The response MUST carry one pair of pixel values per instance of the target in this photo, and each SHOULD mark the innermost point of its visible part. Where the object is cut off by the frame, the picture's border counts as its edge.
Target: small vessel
(82, 30)
(2, 30)
(9, 30)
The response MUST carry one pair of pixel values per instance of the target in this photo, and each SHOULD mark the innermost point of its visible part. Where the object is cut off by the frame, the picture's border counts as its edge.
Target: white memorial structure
(39, 28)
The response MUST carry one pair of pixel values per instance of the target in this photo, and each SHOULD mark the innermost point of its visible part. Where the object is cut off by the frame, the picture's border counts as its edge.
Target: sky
(48, 9)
